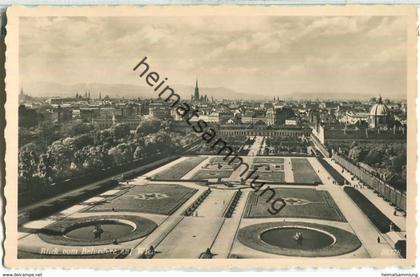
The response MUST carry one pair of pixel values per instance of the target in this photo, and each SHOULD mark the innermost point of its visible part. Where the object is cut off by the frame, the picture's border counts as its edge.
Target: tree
(399, 161)
(126, 151)
(120, 131)
(25, 136)
(163, 139)
(374, 156)
(32, 147)
(102, 150)
(148, 127)
(95, 159)
(27, 117)
(82, 140)
(76, 128)
(63, 157)
(121, 153)
(357, 153)
(28, 162)
(69, 142)
(105, 136)
(45, 166)
(80, 157)
(138, 153)
(46, 133)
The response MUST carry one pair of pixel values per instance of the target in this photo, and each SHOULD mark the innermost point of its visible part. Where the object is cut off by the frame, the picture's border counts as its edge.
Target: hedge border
(379, 219)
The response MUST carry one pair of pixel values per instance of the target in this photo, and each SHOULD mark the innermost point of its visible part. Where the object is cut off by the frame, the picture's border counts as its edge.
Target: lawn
(270, 176)
(178, 170)
(155, 198)
(303, 172)
(219, 166)
(216, 168)
(381, 221)
(269, 169)
(300, 203)
(211, 174)
(269, 160)
(215, 161)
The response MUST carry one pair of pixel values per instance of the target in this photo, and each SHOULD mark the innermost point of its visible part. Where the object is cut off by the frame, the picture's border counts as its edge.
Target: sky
(274, 56)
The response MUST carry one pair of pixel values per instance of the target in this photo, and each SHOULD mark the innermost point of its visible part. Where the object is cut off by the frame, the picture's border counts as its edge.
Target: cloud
(247, 54)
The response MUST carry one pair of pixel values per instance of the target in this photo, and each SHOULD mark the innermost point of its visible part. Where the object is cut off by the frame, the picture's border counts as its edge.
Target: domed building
(379, 116)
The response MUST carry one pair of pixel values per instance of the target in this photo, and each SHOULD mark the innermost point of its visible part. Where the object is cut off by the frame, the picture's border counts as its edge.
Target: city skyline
(227, 133)
(303, 55)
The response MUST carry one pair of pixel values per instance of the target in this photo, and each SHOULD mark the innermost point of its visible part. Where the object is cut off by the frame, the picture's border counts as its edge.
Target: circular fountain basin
(318, 240)
(80, 231)
(112, 229)
(284, 237)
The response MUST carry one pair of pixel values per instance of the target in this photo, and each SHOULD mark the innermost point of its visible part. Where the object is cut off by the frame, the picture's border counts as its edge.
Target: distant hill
(50, 89)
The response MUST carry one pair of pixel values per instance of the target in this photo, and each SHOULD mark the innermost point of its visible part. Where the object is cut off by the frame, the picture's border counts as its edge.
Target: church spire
(196, 91)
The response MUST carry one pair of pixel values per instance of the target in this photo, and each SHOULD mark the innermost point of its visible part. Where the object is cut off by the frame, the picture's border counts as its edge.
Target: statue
(298, 237)
(150, 252)
(97, 231)
(207, 254)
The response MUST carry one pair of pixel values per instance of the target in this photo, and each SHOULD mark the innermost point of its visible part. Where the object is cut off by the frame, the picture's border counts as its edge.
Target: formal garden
(271, 160)
(277, 146)
(154, 198)
(217, 167)
(178, 170)
(303, 172)
(299, 202)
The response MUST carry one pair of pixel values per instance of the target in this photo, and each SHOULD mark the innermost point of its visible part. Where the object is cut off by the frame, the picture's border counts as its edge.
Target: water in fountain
(108, 230)
(297, 238)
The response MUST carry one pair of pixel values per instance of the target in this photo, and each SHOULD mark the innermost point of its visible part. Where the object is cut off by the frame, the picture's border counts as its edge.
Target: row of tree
(389, 161)
(83, 149)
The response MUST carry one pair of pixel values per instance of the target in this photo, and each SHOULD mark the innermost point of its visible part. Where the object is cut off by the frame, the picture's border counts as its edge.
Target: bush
(381, 221)
(233, 204)
(190, 210)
